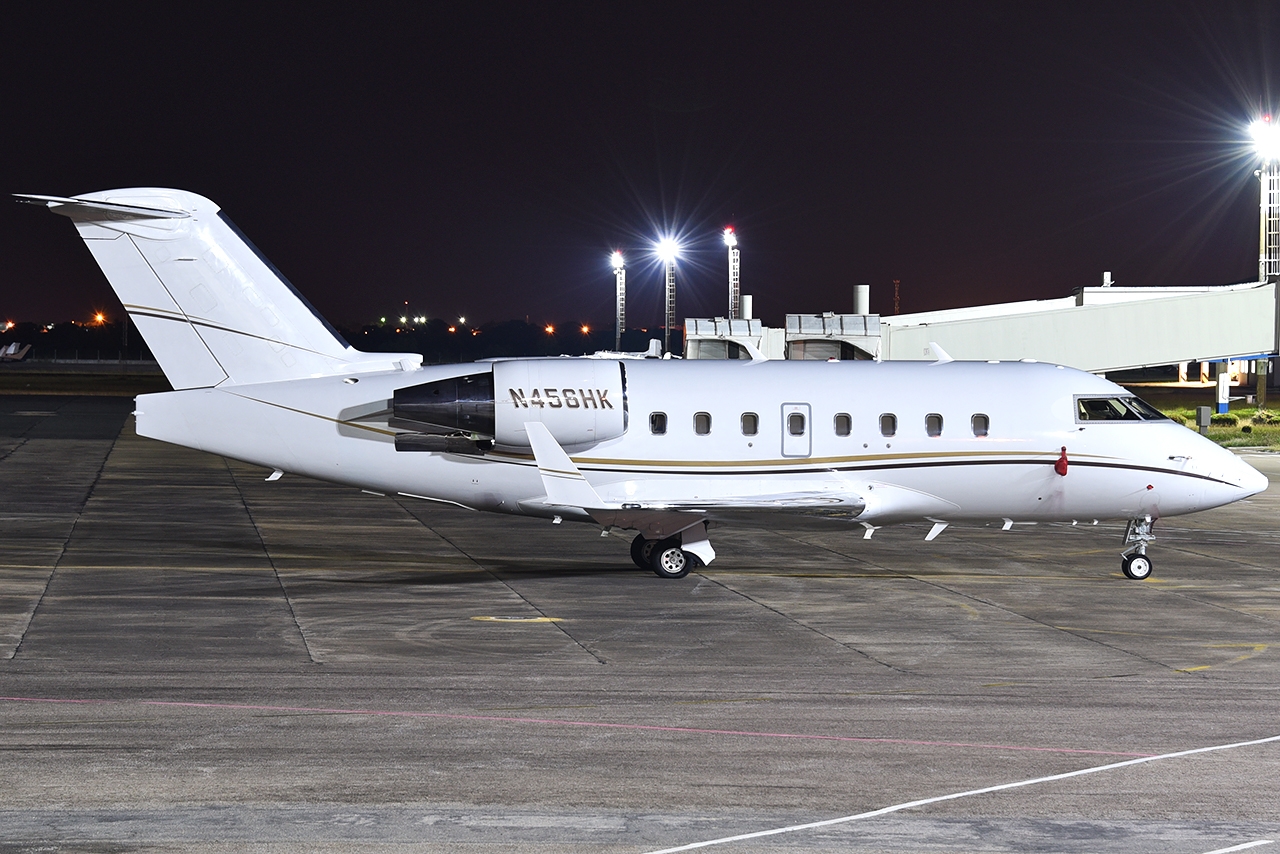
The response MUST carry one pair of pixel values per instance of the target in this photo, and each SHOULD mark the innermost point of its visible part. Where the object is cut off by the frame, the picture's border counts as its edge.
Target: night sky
(485, 159)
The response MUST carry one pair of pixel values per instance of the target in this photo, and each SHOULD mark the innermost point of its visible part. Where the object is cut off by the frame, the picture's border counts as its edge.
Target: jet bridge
(1097, 329)
(1100, 328)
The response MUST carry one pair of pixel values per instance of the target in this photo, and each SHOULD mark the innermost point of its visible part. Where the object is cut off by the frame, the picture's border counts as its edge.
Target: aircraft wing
(667, 518)
(568, 489)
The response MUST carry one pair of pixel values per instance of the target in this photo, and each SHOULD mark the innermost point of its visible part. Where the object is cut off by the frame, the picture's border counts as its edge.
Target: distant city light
(462, 320)
(99, 317)
(667, 249)
(586, 330)
(382, 320)
(549, 329)
(1266, 138)
(616, 260)
(404, 319)
(730, 239)
(453, 329)
(9, 324)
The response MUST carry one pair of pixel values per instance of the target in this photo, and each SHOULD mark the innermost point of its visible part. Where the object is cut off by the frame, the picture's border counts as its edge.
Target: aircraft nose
(1250, 479)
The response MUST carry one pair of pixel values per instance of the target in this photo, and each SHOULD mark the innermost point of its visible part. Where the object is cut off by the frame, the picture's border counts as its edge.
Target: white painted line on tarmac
(971, 793)
(1247, 845)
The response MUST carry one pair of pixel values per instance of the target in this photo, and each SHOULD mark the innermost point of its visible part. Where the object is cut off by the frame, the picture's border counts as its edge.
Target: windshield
(1116, 409)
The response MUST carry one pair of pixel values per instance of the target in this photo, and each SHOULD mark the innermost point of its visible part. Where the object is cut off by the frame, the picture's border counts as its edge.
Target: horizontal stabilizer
(91, 208)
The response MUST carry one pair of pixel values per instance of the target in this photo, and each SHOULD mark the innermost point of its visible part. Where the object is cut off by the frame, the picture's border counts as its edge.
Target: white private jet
(664, 448)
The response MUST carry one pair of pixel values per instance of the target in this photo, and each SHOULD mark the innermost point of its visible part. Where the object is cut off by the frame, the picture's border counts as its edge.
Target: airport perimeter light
(1266, 140)
(668, 250)
(735, 273)
(620, 283)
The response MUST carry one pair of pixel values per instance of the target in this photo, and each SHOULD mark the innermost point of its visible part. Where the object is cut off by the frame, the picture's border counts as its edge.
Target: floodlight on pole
(620, 282)
(668, 251)
(1266, 140)
(735, 273)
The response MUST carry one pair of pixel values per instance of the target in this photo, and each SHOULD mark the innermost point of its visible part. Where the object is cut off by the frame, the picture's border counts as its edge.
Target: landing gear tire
(1136, 566)
(670, 561)
(642, 551)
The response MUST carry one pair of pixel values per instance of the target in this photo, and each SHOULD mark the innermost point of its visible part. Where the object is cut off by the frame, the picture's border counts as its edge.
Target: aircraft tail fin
(211, 307)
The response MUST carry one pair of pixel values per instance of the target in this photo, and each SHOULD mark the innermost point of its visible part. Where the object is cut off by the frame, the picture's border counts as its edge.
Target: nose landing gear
(1134, 562)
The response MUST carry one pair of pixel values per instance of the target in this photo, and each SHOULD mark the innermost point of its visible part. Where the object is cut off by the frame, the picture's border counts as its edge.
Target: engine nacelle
(581, 402)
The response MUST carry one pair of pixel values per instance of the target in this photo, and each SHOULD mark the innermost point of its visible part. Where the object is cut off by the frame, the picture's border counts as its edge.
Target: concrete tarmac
(193, 658)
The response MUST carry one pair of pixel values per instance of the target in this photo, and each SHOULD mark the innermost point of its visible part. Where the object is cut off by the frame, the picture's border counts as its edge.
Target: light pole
(620, 280)
(1266, 140)
(668, 250)
(735, 273)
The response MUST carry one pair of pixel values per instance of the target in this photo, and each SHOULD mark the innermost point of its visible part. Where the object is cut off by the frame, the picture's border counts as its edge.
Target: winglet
(752, 351)
(561, 479)
(938, 353)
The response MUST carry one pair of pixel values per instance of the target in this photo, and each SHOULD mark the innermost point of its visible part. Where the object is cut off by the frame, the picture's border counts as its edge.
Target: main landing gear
(1134, 562)
(664, 557)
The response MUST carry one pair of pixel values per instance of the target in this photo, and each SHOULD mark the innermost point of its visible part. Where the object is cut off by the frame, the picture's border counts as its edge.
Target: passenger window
(702, 423)
(657, 423)
(844, 424)
(933, 424)
(981, 424)
(888, 424)
(750, 423)
(795, 424)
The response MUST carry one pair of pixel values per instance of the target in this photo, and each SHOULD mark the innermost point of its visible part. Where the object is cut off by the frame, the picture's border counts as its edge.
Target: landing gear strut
(1134, 562)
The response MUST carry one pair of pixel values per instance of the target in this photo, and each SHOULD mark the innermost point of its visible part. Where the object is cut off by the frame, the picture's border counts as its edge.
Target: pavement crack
(928, 582)
(8, 452)
(284, 591)
(868, 656)
(62, 550)
(498, 578)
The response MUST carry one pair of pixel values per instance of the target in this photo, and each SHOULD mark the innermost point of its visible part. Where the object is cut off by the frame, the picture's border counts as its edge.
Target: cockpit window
(1146, 410)
(1116, 409)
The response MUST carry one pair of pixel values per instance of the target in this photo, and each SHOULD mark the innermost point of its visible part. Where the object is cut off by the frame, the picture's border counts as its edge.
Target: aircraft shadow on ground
(479, 575)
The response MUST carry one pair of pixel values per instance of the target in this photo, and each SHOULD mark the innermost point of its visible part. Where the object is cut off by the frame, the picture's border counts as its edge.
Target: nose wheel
(1135, 564)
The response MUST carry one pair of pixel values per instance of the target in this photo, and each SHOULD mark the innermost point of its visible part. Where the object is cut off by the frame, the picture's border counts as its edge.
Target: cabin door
(796, 430)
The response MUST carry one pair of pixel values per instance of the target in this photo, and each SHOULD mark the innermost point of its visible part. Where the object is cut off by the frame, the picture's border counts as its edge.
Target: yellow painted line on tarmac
(516, 619)
(1258, 649)
(1115, 632)
(1255, 649)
